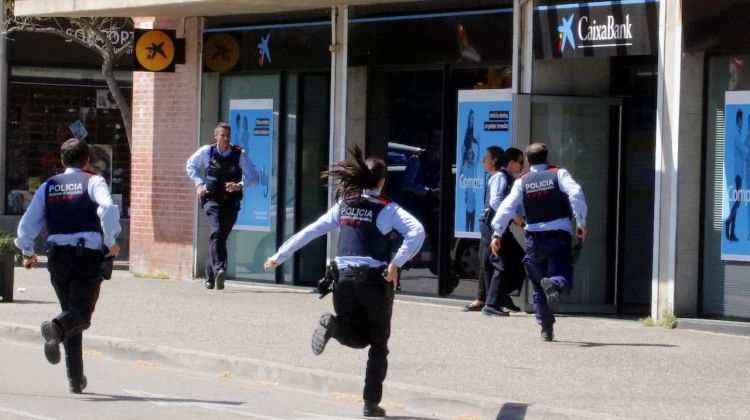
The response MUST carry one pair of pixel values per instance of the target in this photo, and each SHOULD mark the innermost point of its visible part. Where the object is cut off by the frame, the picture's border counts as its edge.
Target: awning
(161, 8)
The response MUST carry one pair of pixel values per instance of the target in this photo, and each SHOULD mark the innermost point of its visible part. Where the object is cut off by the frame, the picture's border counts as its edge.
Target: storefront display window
(725, 288)
(43, 113)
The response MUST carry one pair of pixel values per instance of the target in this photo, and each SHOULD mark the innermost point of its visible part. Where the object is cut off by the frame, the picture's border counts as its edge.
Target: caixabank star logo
(565, 34)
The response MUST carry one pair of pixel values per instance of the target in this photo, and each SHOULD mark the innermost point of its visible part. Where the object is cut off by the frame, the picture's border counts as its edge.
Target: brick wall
(165, 111)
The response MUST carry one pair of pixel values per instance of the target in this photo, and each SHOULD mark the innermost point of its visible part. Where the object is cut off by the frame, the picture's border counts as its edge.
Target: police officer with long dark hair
(77, 208)
(550, 198)
(363, 293)
(228, 171)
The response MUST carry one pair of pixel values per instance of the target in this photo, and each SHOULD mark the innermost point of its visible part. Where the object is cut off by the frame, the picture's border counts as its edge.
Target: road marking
(25, 414)
(158, 399)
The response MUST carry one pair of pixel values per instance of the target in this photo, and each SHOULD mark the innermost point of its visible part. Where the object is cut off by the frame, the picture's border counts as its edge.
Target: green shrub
(7, 247)
(668, 320)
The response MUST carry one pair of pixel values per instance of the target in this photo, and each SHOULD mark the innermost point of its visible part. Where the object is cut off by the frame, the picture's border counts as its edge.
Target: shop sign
(596, 29)
(735, 206)
(221, 52)
(49, 49)
(158, 50)
(252, 129)
(485, 118)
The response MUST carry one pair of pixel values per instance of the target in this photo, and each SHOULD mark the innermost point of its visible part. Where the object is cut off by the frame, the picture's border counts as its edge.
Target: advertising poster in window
(252, 129)
(484, 119)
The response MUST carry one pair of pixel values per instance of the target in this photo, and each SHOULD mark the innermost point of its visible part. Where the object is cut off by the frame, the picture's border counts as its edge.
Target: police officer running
(77, 208)
(550, 197)
(228, 171)
(363, 293)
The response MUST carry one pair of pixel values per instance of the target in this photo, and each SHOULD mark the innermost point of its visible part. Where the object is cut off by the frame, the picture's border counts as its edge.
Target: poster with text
(484, 119)
(735, 235)
(253, 131)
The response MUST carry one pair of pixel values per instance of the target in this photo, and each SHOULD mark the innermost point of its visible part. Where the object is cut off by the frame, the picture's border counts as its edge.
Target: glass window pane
(248, 250)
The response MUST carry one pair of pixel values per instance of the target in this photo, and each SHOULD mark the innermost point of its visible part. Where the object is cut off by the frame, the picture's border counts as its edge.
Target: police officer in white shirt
(228, 171)
(363, 293)
(77, 208)
(550, 198)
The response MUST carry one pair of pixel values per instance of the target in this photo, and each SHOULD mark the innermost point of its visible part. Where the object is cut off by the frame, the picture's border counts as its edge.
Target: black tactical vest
(358, 231)
(223, 169)
(67, 205)
(543, 199)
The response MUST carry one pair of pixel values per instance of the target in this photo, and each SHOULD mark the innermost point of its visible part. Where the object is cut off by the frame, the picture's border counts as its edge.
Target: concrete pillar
(523, 45)
(667, 157)
(339, 73)
(689, 198)
(3, 111)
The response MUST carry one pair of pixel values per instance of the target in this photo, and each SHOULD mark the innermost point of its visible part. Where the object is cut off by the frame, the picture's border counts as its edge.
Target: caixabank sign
(596, 29)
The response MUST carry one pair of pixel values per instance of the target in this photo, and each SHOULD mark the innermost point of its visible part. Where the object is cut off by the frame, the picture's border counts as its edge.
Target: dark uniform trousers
(76, 280)
(363, 302)
(221, 214)
(548, 254)
(504, 273)
(486, 269)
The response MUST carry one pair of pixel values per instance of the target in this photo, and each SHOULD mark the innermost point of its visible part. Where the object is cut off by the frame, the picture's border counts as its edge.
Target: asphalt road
(33, 389)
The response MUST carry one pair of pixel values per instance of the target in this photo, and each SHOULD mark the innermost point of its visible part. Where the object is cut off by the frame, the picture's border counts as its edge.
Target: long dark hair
(351, 177)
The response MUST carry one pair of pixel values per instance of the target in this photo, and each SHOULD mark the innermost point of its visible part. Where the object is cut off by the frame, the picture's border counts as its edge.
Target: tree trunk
(120, 99)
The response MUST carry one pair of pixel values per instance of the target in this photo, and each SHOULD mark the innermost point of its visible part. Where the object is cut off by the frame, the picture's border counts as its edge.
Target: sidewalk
(442, 361)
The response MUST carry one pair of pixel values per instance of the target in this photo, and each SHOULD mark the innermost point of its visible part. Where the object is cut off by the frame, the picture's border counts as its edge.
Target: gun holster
(328, 283)
(106, 264)
(487, 215)
(203, 198)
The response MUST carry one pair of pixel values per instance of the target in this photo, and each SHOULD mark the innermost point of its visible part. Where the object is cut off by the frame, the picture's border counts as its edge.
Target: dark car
(464, 251)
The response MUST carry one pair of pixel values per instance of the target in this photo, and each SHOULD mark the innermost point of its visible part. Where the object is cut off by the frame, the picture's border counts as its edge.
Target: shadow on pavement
(512, 411)
(93, 396)
(590, 344)
(31, 302)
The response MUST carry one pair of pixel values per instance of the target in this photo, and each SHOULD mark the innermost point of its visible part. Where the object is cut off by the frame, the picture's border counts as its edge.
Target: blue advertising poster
(484, 119)
(735, 237)
(252, 129)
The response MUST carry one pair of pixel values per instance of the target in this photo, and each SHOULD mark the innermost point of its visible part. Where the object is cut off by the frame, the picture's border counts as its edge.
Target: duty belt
(562, 234)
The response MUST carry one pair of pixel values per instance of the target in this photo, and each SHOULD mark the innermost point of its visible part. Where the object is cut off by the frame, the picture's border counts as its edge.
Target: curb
(417, 399)
(714, 326)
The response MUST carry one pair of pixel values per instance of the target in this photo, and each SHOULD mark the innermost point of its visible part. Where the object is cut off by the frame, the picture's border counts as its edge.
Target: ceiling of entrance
(157, 8)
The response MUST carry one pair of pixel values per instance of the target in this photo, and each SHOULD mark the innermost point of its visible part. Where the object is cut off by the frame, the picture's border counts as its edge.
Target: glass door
(248, 249)
(583, 136)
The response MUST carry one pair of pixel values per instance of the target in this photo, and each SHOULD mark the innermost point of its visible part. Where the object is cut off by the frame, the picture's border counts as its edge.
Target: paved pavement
(139, 391)
(442, 361)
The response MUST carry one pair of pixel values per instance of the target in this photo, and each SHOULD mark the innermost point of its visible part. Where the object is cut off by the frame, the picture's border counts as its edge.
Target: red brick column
(165, 111)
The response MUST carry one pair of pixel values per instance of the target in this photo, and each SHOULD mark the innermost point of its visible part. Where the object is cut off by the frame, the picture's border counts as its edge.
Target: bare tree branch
(53, 31)
(92, 33)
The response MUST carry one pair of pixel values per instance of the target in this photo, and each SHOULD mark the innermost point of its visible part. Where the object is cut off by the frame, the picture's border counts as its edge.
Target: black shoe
(209, 284)
(509, 305)
(490, 311)
(733, 238)
(323, 332)
(53, 335)
(372, 409)
(221, 275)
(548, 333)
(551, 291)
(77, 385)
